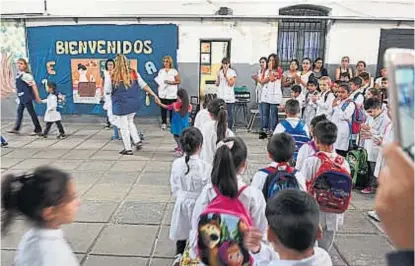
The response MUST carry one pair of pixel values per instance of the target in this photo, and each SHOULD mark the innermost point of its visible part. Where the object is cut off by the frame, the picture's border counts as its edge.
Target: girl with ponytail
(215, 130)
(228, 167)
(47, 198)
(188, 176)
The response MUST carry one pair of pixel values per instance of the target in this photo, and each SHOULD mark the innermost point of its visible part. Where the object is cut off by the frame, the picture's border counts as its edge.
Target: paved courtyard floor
(126, 204)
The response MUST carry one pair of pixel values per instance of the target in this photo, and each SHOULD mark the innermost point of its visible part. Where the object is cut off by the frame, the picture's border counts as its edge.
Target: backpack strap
(345, 104)
(312, 145)
(357, 95)
(300, 125)
(242, 190)
(268, 170)
(288, 168)
(287, 125)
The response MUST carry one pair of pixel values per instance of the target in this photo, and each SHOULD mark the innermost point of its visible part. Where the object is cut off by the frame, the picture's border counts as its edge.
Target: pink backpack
(221, 231)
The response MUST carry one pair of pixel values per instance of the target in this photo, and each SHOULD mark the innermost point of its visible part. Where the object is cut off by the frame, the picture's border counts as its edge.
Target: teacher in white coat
(226, 87)
(168, 79)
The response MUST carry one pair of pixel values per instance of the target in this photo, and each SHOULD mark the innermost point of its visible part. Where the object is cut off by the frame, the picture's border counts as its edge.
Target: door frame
(211, 40)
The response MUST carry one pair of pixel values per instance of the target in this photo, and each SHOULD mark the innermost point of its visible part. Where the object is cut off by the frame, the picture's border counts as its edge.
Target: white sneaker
(177, 260)
(373, 215)
(163, 126)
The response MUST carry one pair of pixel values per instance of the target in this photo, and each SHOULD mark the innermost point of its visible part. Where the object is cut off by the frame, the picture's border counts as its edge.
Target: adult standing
(304, 76)
(360, 67)
(170, 79)
(271, 97)
(288, 77)
(344, 72)
(318, 68)
(225, 82)
(261, 79)
(125, 100)
(27, 92)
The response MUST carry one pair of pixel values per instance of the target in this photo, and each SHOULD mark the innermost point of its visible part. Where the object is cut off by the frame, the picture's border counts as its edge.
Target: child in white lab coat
(51, 114)
(203, 115)
(47, 198)
(228, 167)
(215, 130)
(372, 131)
(109, 66)
(310, 107)
(343, 110)
(325, 100)
(325, 134)
(281, 149)
(189, 175)
(293, 218)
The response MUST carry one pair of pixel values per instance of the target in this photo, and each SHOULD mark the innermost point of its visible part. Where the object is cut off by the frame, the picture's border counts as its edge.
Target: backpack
(61, 101)
(298, 133)
(358, 117)
(221, 231)
(331, 186)
(278, 180)
(359, 168)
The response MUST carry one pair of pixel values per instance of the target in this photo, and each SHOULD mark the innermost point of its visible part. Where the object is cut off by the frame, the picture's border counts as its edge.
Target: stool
(254, 115)
(240, 107)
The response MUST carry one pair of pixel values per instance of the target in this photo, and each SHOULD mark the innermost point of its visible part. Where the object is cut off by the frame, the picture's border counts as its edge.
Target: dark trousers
(49, 125)
(32, 113)
(164, 111)
(229, 109)
(180, 246)
(372, 179)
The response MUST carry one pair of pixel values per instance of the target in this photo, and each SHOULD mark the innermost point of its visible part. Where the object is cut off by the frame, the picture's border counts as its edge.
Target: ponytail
(222, 125)
(191, 139)
(229, 158)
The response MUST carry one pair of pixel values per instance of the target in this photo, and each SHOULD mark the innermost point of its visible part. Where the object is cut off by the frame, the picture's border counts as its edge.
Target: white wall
(358, 40)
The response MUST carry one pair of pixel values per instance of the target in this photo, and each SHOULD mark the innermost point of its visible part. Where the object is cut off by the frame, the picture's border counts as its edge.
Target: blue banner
(74, 56)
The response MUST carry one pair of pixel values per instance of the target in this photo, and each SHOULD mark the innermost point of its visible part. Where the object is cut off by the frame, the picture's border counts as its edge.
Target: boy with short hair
(310, 107)
(372, 131)
(293, 228)
(356, 95)
(325, 135)
(281, 148)
(365, 82)
(293, 125)
(326, 97)
(384, 83)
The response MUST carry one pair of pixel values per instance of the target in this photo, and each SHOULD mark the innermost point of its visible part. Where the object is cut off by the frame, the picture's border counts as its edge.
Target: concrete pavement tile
(165, 248)
(79, 154)
(5, 150)
(155, 178)
(94, 260)
(91, 144)
(30, 164)
(19, 143)
(158, 166)
(50, 154)
(67, 165)
(80, 256)
(115, 145)
(66, 144)
(95, 165)
(161, 262)
(138, 156)
(42, 143)
(7, 257)
(163, 156)
(128, 166)
(86, 177)
(106, 155)
(136, 212)
(9, 162)
(127, 240)
(107, 192)
(363, 250)
(336, 258)
(124, 178)
(81, 235)
(22, 153)
(356, 222)
(149, 193)
(96, 211)
(168, 214)
(85, 132)
(15, 233)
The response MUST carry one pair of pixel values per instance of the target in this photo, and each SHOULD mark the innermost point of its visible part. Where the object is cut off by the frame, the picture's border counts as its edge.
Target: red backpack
(358, 117)
(221, 231)
(331, 186)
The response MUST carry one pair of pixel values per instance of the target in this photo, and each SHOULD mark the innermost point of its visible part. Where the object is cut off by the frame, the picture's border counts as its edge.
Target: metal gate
(301, 37)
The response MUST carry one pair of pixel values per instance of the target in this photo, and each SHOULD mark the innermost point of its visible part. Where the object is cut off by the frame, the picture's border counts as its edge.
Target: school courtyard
(125, 200)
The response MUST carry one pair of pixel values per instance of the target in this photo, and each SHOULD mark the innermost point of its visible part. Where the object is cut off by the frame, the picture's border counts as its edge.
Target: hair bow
(229, 144)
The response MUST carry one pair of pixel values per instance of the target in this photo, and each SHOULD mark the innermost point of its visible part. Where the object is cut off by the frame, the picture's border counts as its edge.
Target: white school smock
(202, 117)
(51, 115)
(44, 247)
(260, 87)
(341, 119)
(252, 198)
(305, 151)
(378, 126)
(210, 139)
(387, 138)
(329, 221)
(310, 110)
(325, 106)
(186, 188)
(304, 77)
(260, 177)
(107, 90)
(359, 99)
(226, 92)
(167, 91)
(272, 92)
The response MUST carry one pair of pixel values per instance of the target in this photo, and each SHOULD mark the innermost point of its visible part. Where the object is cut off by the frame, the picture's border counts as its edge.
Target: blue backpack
(279, 179)
(61, 101)
(298, 133)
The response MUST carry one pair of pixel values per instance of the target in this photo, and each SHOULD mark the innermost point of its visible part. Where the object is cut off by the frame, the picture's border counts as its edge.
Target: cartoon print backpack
(331, 186)
(359, 168)
(279, 178)
(61, 101)
(298, 133)
(358, 117)
(221, 231)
